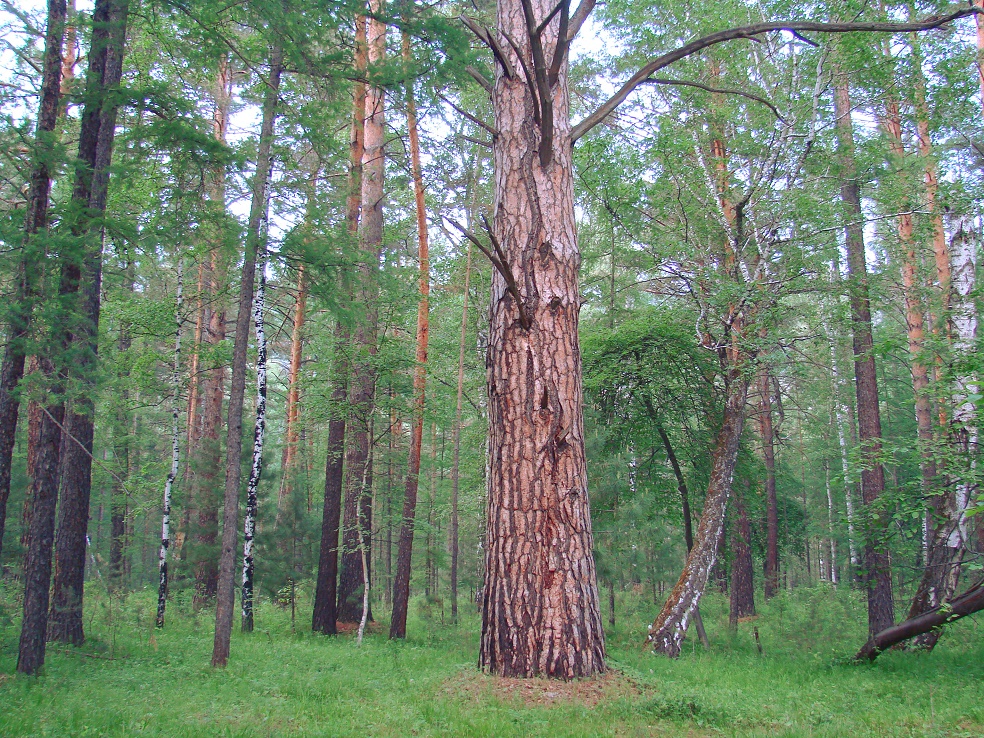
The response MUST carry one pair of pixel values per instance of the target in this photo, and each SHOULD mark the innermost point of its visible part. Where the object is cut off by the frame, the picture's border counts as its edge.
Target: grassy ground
(130, 679)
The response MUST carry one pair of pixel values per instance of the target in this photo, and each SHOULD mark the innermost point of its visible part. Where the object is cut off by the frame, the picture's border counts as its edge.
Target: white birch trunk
(830, 525)
(175, 452)
(963, 249)
(249, 524)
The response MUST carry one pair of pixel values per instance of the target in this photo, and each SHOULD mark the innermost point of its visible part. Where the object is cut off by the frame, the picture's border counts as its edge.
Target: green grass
(136, 680)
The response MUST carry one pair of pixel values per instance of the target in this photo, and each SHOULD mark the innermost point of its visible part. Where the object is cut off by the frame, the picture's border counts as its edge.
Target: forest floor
(132, 679)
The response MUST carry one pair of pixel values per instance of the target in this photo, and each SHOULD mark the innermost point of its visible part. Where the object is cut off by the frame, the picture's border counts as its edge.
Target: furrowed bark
(90, 196)
(31, 259)
(256, 468)
(175, 455)
(401, 583)
(877, 560)
(363, 379)
(225, 596)
(540, 609)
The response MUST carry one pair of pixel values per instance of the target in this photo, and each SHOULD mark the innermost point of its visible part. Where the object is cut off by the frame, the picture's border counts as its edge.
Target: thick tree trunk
(540, 613)
(968, 603)
(225, 595)
(742, 569)
(667, 632)
(877, 560)
(363, 380)
(771, 503)
(256, 468)
(401, 583)
(91, 194)
(32, 257)
(326, 588)
(175, 455)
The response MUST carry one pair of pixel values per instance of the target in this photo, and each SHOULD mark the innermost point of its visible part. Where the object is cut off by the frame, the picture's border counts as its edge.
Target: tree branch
(480, 78)
(756, 29)
(501, 266)
(721, 90)
(580, 15)
(474, 119)
(489, 40)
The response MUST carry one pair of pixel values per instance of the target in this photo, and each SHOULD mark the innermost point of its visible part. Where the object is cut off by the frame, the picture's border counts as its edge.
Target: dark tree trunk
(771, 504)
(32, 258)
(90, 196)
(877, 559)
(225, 592)
(968, 603)
(742, 569)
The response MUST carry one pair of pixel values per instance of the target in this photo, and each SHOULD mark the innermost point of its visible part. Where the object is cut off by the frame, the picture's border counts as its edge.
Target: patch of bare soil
(353, 628)
(478, 687)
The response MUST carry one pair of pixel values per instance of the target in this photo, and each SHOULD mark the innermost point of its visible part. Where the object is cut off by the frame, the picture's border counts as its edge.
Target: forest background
(723, 271)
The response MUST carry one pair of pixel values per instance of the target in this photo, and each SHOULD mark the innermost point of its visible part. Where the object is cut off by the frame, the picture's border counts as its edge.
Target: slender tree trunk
(771, 503)
(175, 454)
(401, 584)
(667, 632)
(256, 468)
(742, 569)
(688, 534)
(234, 440)
(326, 589)
(32, 257)
(540, 613)
(456, 443)
(293, 390)
(363, 379)
(877, 559)
(208, 460)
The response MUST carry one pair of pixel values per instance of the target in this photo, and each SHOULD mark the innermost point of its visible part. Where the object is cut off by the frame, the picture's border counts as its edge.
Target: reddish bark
(401, 583)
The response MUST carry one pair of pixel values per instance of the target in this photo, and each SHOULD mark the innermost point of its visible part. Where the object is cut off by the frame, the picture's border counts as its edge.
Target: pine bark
(90, 196)
(326, 588)
(293, 397)
(401, 583)
(877, 559)
(225, 594)
(203, 513)
(540, 610)
(362, 384)
(31, 259)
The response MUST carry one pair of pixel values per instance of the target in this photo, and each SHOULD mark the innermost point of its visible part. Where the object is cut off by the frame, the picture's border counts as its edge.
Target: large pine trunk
(28, 268)
(877, 560)
(225, 593)
(356, 535)
(667, 632)
(540, 611)
(90, 195)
